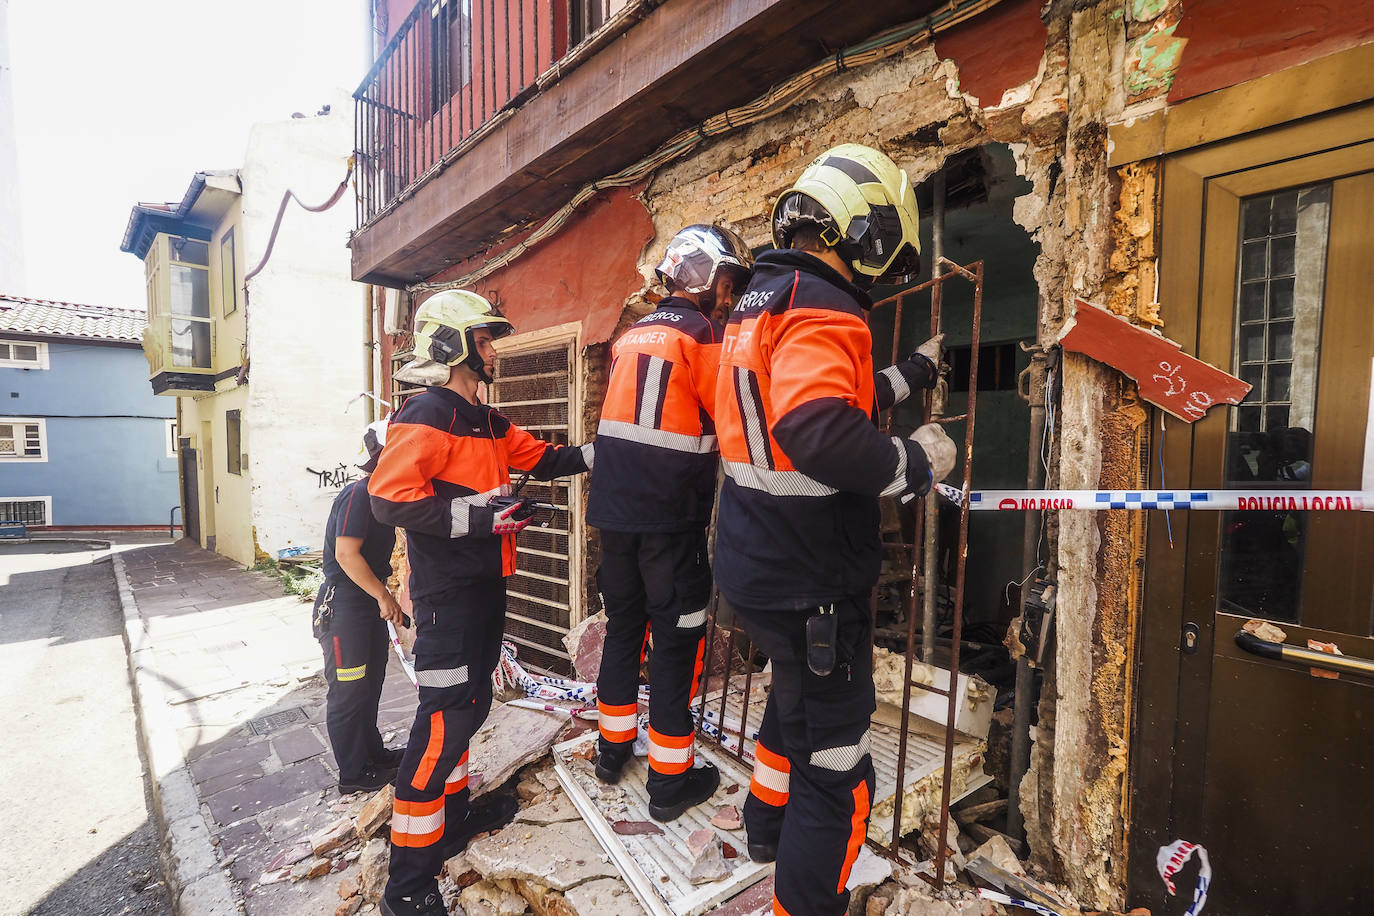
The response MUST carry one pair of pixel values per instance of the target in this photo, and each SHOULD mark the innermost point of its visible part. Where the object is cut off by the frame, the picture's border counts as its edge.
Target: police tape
(1008, 900)
(1093, 500)
(401, 654)
(511, 673)
(1169, 861)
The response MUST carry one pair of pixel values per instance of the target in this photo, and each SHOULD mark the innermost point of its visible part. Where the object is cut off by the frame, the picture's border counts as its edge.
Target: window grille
(536, 387)
(27, 510)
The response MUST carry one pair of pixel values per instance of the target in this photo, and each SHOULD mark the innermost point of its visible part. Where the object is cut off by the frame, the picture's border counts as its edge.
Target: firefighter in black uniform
(444, 477)
(351, 610)
(652, 499)
(797, 543)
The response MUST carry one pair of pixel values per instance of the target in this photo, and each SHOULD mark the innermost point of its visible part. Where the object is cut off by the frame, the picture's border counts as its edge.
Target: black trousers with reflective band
(657, 583)
(355, 658)
(816, 729)
(457, 647)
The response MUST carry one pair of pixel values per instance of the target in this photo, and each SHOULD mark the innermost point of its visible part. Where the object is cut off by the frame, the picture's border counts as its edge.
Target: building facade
(83, 443)
(1197, 167)
(245, 289)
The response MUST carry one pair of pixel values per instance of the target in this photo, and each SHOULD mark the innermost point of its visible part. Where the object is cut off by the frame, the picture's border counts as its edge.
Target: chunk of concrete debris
(559, 856)
(333, 836)
(637, 828)
(500, 902)
(510, 738)
(869, 871)
(373, 867)
(460, 870)
(727, 818)
(998, 852)
(348, 887)
(348, 907)
(708, 860)
(310, 868)
(553, 810)
(289, 856)
(584, 643)
(603, 897)
(375, 813)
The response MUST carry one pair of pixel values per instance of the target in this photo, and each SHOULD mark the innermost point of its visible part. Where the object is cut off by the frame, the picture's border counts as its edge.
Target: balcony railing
(450, 68)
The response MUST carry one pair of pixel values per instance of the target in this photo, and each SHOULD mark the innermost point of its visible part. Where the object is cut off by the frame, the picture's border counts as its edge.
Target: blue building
(83, 442)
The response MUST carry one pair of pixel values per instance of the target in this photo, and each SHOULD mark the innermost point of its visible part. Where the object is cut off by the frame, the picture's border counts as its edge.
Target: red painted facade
(1229, 42)
(585, 272)
(996, 50)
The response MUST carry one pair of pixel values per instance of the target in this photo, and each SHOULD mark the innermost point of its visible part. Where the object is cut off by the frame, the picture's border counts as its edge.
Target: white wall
(12, 279)
(305, 325)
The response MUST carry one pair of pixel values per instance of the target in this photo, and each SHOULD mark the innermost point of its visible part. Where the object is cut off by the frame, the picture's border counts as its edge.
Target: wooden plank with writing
(1167, 377)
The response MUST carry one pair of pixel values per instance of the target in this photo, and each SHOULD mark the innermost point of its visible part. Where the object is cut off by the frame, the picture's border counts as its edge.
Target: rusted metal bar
(931, 508)
(725, 685)
(744, 706)
(961, 562)
(706, 662)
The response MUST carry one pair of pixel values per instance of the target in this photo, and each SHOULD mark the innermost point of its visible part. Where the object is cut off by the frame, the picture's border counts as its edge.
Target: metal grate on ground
(656, 866)
(924, 756)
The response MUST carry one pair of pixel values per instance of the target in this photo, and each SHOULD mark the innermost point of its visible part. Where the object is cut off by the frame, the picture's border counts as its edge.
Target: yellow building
(260, 460)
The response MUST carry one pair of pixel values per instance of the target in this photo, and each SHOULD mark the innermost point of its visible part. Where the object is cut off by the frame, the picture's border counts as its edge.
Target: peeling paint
(1145, 10)
(1152, 60)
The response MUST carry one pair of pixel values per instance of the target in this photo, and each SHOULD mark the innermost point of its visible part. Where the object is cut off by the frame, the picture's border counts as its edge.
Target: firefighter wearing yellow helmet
(862, 206)
(444, 328)
(444, 476)
(797, 533)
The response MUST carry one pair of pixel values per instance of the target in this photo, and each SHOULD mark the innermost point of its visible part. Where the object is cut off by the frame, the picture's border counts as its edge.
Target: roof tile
(45, 317)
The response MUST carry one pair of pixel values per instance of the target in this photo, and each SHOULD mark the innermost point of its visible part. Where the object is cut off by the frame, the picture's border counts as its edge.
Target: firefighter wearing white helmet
(652, 502)
(444, 476)
(797, 534)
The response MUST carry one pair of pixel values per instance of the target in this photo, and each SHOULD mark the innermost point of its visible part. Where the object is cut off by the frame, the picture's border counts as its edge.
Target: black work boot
(431, 905)
(763, 853)
(389, 758)
(372, 778)
(611, 761)
(693, 788)
(491, 813)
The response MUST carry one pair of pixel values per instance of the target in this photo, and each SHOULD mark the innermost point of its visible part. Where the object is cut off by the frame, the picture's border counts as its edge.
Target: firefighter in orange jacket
(797, 541)
(443, 477)
(652, 499)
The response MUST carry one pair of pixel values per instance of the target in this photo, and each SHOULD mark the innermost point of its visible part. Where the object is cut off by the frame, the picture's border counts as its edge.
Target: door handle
(1351, 664)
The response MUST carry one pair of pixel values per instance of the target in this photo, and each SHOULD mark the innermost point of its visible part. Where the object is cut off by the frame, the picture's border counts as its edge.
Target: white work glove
(941, 452)
(933, 348)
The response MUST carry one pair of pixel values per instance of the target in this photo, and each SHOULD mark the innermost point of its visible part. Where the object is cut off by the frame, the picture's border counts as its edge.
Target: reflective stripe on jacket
(656, 443)
(444, 459)
(804, 460)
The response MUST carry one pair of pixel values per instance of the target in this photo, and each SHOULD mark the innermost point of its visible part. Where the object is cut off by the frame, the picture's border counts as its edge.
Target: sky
(120, 101)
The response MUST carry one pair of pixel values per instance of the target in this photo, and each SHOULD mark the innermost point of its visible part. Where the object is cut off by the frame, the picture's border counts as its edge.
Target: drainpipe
(1019, 763)
(937, 409)
(369, 378)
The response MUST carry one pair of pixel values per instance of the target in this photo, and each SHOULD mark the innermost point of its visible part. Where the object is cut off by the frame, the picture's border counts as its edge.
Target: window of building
(23, 439)
(228, 273)
(171, 443)
(27, 510)
(23, 354)
(178, 271)
(234, 439)
(450, 49)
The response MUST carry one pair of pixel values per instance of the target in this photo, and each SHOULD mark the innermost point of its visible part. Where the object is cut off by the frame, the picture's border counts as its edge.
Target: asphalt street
(76, 832)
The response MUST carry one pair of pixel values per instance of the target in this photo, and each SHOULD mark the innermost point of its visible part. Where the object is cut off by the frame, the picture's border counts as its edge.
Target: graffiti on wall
(336, 478)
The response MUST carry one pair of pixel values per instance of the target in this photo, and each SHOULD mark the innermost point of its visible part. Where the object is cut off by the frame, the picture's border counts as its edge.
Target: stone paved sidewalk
(242, 678)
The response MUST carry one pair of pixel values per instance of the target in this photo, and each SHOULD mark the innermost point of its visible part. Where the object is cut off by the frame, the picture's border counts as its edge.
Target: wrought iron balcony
(449, 69)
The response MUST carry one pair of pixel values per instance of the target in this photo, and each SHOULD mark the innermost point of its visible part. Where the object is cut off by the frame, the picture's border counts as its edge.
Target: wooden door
(190, 502)
(1266, 764)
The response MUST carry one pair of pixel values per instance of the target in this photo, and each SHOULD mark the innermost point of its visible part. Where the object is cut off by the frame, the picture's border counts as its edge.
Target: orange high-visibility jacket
(656, 442)
(804, 461)
(444, 459)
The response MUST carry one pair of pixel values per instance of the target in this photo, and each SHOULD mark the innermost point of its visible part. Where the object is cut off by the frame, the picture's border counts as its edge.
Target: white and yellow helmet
(444, 324)
(865, 208)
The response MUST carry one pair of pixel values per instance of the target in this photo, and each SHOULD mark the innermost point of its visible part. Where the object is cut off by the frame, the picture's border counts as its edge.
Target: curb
(198, 886)
(100, 543)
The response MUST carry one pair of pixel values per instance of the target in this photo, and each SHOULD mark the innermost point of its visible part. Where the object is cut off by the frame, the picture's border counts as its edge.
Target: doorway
(1267, 262)
(190, 498)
